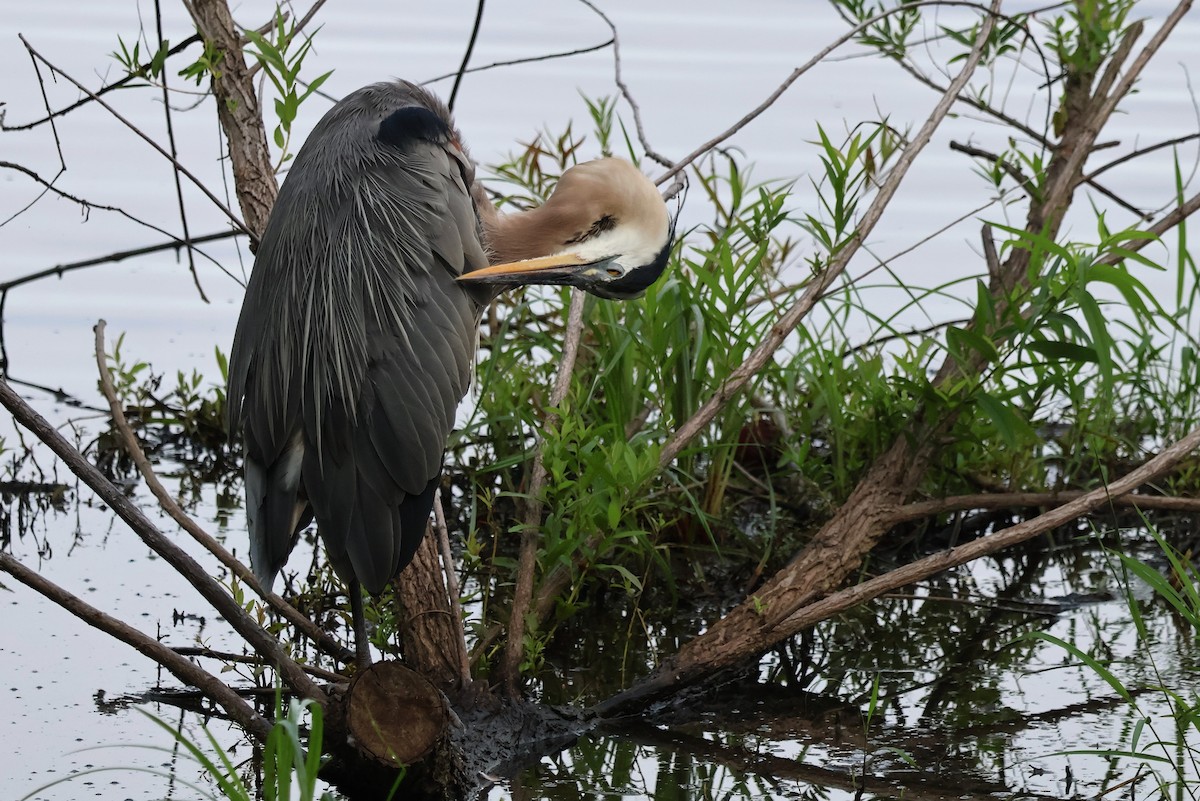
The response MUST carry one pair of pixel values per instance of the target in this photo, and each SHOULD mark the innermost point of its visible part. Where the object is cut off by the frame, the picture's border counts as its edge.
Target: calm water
(694, 67)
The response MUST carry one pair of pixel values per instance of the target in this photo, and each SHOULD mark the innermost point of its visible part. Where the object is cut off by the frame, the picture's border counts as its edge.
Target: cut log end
(395, 715)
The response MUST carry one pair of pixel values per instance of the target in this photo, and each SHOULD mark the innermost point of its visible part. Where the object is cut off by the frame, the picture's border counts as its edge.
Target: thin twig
(1179, 140)
(875, 342)
(514, 648)
(62, 161)
(452, 588)
(462, 68)
(88, 206)
(311, 630)
(883, 262)
(308, 17)
(103, 90)
(637, 111)
(812, 62)
(1012, 170)
(204, 189)
(1027, 184)
(979, 105)
(1043, 141)
(259, 639)
(183, 218)
(509, 63)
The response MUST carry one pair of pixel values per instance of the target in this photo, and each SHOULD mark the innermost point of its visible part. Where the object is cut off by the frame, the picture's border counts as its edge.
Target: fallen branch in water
(258, 638)
(179, 666)
(770, 622)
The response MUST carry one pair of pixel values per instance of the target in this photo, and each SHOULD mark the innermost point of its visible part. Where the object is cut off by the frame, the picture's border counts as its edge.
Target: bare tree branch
(204, 189)
(763, 352)
(179, 666)
(1027, 500)
(262, 641)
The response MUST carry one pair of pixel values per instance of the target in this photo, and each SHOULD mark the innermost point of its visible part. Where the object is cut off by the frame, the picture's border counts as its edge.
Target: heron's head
(605, 229)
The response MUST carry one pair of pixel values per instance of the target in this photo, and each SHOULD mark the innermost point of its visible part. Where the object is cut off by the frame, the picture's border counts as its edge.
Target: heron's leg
(362, 646)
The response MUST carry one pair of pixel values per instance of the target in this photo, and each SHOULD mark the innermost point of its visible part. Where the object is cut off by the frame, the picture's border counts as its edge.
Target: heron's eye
(615, 272)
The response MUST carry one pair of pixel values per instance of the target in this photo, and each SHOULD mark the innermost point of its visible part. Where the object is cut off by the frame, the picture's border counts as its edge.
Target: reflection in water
(967, 704)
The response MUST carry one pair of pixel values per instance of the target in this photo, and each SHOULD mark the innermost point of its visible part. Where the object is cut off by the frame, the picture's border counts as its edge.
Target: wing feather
(355, 341)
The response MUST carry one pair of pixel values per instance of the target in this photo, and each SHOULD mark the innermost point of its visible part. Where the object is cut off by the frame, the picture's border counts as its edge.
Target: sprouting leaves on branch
(282, 59)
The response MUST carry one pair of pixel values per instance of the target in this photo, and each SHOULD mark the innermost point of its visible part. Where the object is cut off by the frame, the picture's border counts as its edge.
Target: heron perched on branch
(359, 324)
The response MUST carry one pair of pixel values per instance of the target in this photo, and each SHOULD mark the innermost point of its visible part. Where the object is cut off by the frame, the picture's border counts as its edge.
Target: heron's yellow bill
(529, 270)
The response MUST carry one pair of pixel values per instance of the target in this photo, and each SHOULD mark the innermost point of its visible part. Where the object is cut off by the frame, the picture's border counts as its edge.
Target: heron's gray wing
(354, 345)
(375, 445)
(263, 396)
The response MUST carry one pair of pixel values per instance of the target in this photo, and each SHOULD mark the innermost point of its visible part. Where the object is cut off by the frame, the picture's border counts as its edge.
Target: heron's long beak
(558, 270)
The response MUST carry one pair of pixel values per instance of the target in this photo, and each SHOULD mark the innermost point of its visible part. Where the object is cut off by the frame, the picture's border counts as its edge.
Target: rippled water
(694, 67)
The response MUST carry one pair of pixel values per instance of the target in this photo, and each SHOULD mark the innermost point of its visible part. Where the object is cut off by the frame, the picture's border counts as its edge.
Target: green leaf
(1063, 351)
(1012, 427)
(962, 338)
(1091, 662)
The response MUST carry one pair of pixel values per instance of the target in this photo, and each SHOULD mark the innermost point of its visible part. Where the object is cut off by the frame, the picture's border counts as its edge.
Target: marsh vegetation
(796, 523)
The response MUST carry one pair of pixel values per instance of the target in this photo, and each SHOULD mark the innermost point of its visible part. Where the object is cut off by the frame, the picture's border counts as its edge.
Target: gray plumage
(358, 328)
(355, 343)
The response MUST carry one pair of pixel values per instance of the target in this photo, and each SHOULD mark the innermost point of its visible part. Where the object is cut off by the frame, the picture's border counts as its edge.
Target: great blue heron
(357, 332)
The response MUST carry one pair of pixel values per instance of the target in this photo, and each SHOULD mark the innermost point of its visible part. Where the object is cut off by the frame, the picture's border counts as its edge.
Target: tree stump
(395, 715)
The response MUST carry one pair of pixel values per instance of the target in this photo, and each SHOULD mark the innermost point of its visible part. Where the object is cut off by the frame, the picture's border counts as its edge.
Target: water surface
(694, 67)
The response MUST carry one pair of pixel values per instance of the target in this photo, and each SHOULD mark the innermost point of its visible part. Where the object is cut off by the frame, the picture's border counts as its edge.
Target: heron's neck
(518, 235)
